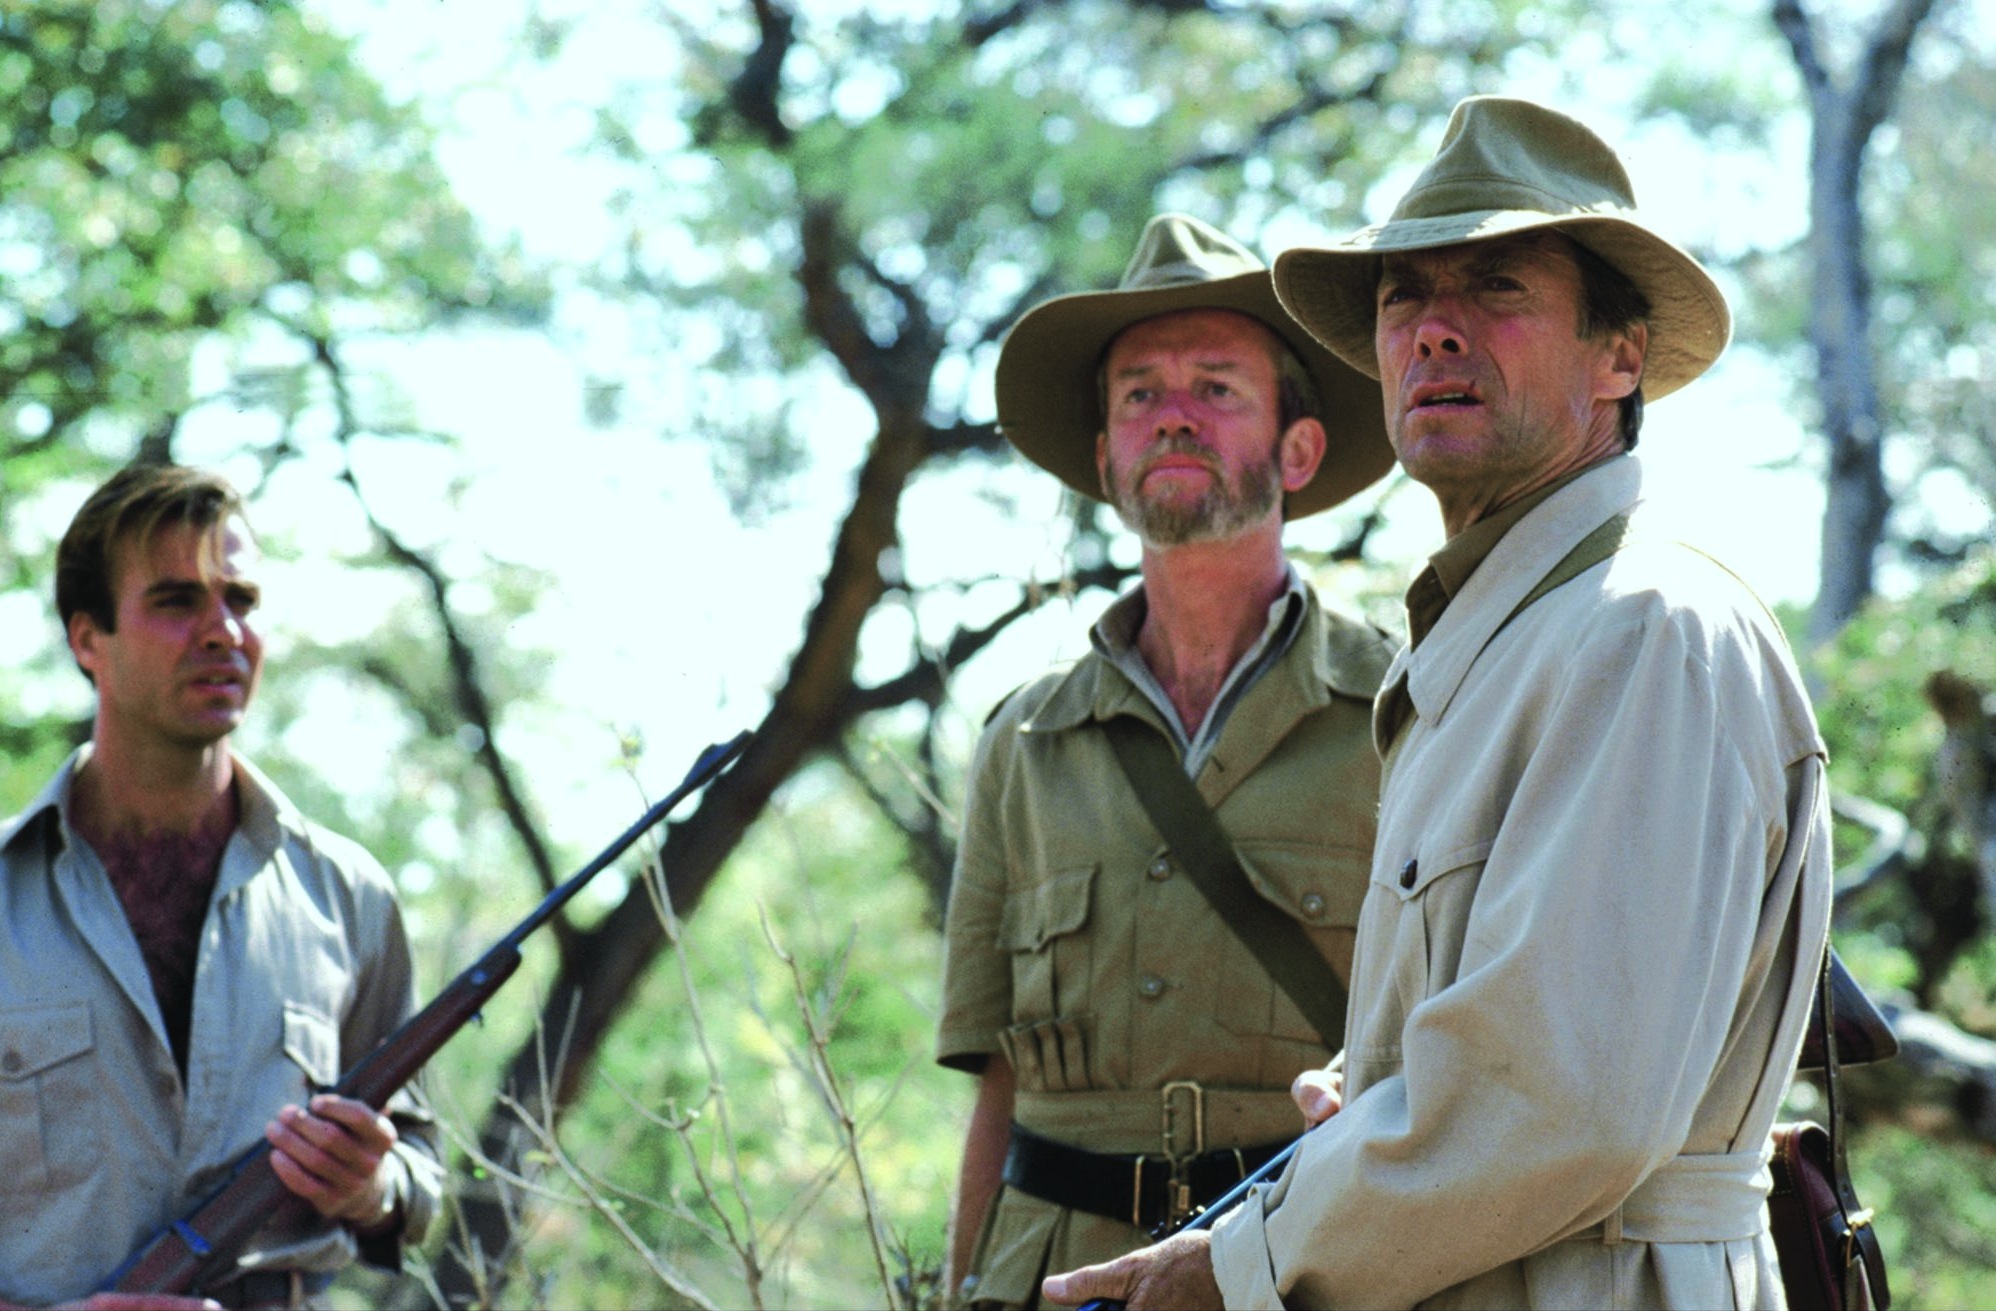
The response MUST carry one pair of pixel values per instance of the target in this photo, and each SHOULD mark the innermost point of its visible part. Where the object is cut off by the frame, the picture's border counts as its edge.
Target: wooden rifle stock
(199, 1249)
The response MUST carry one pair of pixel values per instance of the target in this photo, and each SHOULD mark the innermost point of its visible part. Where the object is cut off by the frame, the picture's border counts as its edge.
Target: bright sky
(671, 618)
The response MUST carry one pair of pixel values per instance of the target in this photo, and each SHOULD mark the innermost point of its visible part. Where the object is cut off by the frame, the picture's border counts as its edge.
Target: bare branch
(467, 684)
(756, 91)
(1876, 81)
(1801, 34)
(818, 1040)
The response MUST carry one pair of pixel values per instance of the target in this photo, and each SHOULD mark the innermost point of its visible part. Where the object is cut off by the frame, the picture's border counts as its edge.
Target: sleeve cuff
(416, 1190)
(1241, 1263)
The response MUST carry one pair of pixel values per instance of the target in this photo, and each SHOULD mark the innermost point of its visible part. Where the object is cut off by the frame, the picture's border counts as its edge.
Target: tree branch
(1875, 83)
(1793, 24)
(467, 684)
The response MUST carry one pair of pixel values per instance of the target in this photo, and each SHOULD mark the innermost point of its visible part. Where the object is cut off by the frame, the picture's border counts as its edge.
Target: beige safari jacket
(303, 968)
(1076, 947)
(1603, 851)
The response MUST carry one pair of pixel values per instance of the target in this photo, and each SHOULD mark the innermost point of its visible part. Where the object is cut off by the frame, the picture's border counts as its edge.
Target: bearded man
(1134, 1025)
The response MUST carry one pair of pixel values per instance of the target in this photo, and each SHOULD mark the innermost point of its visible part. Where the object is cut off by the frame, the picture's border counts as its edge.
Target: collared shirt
(1115, 636)
(1447, 572)
(1077, 947)
(303, 967)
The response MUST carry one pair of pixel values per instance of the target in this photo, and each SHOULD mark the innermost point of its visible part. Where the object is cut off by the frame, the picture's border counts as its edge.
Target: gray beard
(1223, 512)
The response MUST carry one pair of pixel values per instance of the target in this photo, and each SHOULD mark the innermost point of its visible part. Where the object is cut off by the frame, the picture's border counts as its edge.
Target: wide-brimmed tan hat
(1508, 166)
(1049, 404)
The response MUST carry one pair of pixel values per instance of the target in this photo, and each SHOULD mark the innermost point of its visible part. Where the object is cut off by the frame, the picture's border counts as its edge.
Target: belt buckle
(1857, 1220)
(1178, 1193)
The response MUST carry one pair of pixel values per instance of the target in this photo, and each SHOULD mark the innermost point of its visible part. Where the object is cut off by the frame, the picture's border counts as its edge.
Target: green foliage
(1936, 1204)
(1881, 733)
(173, 171)
(980, 163)
(868, 967)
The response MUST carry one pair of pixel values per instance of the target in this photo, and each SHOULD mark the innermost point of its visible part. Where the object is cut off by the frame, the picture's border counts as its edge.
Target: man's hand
(1319, 1094)
(1177, 1272)
(334, 1156)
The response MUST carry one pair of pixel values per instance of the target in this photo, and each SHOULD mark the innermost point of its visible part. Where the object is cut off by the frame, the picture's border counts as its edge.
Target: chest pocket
(44, 1078)
(313, 1044)
(1321, 888)
(1414, 937)
(1039, 928)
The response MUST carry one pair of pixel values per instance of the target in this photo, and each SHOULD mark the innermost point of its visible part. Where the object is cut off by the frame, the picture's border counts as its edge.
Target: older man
(1601, 887)
(1127, 993)
(190, 962)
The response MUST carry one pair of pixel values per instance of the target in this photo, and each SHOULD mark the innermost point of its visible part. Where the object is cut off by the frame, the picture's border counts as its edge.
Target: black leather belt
(1146, 1191)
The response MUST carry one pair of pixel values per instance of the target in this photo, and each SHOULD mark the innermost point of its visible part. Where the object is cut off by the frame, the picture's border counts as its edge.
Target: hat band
(1486, 195)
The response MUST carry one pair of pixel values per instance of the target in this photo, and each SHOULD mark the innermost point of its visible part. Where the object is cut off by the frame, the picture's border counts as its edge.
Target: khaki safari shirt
(1077, 948)
(1598, 900)
(303, 967)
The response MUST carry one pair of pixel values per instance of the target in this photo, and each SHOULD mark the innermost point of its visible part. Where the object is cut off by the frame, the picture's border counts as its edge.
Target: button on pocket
(1321, 887)
(1039, 927)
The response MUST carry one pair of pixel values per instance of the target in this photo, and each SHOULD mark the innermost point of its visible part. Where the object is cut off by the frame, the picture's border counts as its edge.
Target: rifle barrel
(188, 1254)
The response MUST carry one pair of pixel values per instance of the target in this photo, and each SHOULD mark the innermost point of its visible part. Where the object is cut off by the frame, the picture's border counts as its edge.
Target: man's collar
(1512, 568)
(1346, 661)
(1460, 555)
(265, 815)
(1115, 633)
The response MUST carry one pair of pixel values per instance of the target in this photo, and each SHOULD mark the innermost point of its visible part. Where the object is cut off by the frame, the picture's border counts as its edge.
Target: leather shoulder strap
(1193, 832)
(1591, 550)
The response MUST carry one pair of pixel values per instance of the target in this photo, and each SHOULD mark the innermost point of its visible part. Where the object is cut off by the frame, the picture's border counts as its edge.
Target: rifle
(191, 1253)
(1226, 1202)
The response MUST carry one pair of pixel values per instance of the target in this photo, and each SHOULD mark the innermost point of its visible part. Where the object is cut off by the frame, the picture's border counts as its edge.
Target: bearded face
(1230, 501)
(1191, 448)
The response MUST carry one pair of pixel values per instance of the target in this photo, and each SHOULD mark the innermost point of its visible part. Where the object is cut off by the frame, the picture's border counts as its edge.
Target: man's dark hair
(134, 504)
(1610, 302)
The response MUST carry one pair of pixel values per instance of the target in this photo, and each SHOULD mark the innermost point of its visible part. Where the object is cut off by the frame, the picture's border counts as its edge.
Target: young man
(1601, 887)
(189, 960)
(1133, 1054)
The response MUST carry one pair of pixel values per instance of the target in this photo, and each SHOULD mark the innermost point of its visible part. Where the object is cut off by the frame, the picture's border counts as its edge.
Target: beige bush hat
(1509, 166)
(1048, 401)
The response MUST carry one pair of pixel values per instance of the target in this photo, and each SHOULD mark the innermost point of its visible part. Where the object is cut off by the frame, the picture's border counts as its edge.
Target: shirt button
(1313, 906)
(1409, 872)
(1151, 986)
(11, 1063)
(1159, 868)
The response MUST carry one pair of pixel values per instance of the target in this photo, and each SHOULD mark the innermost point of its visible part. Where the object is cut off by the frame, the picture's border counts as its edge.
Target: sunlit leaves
(164, 167)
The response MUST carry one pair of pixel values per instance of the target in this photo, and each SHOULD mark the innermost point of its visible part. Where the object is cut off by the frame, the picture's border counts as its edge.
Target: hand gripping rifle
(1226, 1202)
(196, 1251)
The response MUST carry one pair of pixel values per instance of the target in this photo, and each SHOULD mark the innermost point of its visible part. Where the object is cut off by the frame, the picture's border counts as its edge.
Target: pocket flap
(1413, 877)
(1055, 905)
(1321, 886)
(311, 1040)
(34, 1038)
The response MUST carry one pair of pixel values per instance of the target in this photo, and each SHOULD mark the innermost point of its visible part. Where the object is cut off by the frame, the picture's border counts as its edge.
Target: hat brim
(1332, 291)
(1049, 405)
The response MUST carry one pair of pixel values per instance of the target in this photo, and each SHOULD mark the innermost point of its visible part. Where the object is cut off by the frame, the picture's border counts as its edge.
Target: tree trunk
(1844, 117)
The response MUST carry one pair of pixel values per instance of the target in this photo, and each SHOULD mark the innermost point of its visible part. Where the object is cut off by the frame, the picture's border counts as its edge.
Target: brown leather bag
(1823, 1237)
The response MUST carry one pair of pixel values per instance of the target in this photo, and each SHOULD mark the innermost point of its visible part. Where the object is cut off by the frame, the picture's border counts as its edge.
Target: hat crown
(1504, 154)
(1178, 250)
